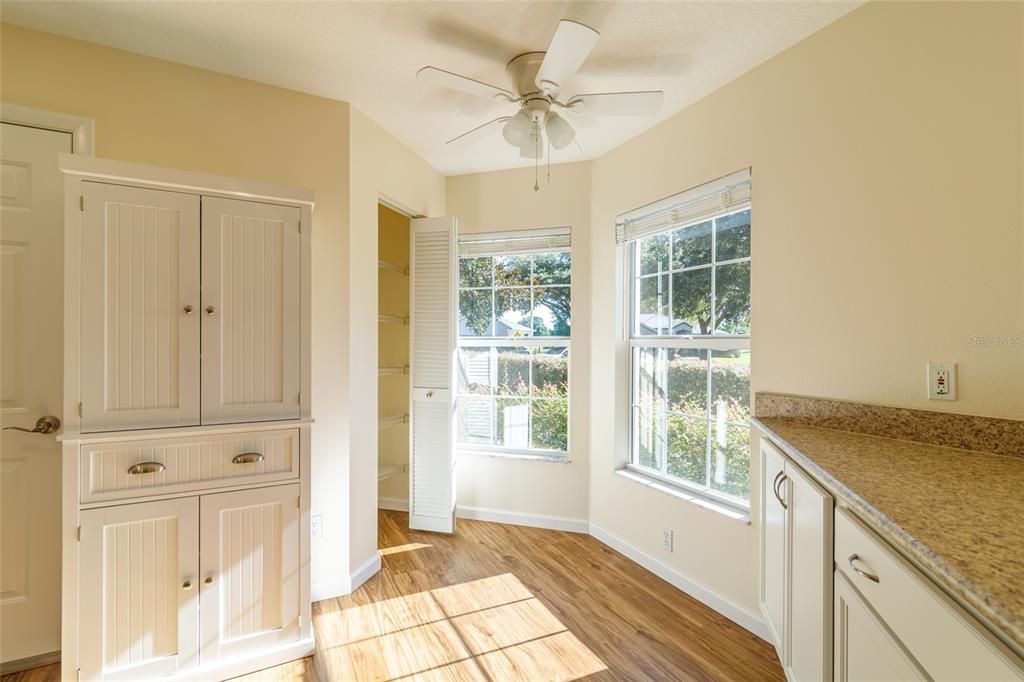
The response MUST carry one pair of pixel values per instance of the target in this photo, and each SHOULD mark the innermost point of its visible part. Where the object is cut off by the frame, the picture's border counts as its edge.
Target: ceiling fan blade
(476, 134)
(569, 47)
(453, 81)
(617, 103)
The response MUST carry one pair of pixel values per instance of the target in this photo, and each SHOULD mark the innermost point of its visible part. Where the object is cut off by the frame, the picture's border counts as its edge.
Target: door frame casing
(83, 130)
(83, 143)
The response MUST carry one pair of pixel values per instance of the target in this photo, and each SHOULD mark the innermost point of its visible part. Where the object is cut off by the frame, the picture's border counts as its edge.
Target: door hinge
(79, 409)
(298, 502)
(300, 226)
(81, 202)
(78, 533)
(300, 397)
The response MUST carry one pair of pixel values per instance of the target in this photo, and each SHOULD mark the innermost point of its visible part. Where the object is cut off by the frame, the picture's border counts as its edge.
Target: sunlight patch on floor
(385, 551)
(488, 629)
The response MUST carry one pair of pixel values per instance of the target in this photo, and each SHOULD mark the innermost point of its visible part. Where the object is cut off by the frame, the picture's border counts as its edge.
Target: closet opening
(393, 233)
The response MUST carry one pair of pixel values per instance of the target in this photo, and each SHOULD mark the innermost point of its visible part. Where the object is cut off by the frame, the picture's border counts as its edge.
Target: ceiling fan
(537, 79)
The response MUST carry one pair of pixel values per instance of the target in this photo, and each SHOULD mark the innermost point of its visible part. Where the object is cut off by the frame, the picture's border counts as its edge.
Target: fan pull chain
(549, 160)
(536, 161)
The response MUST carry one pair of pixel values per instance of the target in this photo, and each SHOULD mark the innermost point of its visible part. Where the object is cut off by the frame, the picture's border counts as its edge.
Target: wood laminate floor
(497, 602)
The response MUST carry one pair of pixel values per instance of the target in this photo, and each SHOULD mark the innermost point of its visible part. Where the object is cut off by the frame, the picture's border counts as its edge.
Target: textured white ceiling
(367, 53)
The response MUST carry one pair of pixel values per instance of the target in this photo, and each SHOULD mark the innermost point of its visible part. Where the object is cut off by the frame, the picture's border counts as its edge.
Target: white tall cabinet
(186, 442)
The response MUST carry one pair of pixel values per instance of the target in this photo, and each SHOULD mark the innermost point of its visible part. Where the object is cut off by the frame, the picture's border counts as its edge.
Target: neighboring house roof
(652, 324)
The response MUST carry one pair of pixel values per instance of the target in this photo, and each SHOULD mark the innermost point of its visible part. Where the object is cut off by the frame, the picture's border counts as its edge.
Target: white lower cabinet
(138, 592)
(249, 553)
(864, 648)
(842, 604)
(172, 585)
(796, 557)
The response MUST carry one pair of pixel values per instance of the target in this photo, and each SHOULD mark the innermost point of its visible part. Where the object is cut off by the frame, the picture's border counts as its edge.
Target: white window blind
(515, 242)
(729, 193)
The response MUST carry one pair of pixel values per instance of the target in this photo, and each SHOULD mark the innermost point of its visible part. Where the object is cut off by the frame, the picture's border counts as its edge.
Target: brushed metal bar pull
(47, 424)
(779, 480)
(146, 468)
(870, 576)
(247, 458)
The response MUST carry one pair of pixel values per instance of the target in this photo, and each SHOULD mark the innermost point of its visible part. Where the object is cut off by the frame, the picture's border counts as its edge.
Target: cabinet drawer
(945, 640)
(188, 463)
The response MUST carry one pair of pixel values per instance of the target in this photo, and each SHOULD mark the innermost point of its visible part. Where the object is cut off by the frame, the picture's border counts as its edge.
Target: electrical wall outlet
(941, 381)
(666, 539)
(316, 525)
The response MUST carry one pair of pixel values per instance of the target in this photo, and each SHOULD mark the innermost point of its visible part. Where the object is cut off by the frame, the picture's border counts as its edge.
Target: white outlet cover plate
(942, 381)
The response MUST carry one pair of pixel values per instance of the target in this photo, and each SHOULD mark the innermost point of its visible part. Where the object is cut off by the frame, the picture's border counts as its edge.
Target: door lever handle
(47, 424)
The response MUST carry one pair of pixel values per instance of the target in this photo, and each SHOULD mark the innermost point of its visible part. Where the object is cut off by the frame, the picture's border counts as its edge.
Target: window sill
(554, 458)
(682, 494)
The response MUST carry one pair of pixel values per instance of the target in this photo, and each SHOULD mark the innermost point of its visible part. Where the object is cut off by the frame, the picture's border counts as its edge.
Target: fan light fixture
(517, 129)
(560, 133)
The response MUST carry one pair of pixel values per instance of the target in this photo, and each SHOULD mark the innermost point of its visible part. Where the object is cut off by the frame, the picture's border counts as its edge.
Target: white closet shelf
(385, 421)
(388, 371)
(385, 470)
(384, 265)
(393, 319)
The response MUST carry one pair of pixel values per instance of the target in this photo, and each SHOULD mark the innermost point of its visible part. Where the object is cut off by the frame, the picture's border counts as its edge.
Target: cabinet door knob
(187, 585)
(210, 310)
(188, 309)
(208, 581)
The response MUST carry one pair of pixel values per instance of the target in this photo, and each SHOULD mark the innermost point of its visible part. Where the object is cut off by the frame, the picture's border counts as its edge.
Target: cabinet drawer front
(124, 469)
(945, 640)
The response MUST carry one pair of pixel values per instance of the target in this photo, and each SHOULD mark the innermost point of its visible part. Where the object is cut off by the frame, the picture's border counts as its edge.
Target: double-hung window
(688, 270)
(513, 338)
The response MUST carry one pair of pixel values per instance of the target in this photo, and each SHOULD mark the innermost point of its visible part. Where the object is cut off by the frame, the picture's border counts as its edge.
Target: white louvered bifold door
(140, 308)
(432, 432)
(251, 311)
(249, 547)
(139, 590)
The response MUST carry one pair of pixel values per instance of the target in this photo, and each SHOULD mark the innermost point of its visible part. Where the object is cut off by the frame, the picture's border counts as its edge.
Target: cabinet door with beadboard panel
(140, 300)
(251, 311)
(432, 447)
(250, 570)
(139, 592)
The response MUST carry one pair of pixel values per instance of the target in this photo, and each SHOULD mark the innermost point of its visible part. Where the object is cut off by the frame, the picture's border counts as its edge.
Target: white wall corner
(348, 584)
(742, 616)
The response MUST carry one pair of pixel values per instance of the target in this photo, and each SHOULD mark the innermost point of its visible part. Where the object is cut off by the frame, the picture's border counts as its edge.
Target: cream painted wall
(888, 228)
(381, 168)
(505, 200)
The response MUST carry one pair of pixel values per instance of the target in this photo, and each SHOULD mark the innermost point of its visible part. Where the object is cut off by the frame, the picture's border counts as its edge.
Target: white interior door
(140, 300)
(250, 568)
(31, 375)
(251, 311)
(139, 594)
(433, 318)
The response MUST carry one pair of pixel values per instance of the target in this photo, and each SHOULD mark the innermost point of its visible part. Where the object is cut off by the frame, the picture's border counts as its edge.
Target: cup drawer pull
(248, 458)
(146, 468)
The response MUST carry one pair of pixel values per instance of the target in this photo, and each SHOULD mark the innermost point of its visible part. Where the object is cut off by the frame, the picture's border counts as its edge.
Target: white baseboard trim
(740, 615)
(520, 519)
(392, 504)
(338, 588)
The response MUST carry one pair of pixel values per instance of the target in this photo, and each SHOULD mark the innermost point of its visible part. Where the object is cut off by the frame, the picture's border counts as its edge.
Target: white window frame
(709, 342)
(529, 342)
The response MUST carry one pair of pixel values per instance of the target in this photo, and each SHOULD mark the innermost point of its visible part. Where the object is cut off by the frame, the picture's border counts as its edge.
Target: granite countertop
(957, 514)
